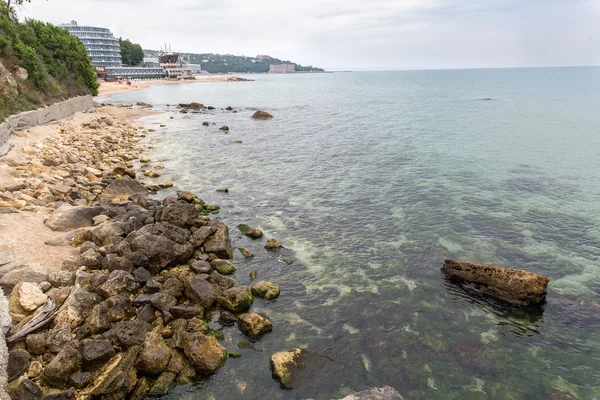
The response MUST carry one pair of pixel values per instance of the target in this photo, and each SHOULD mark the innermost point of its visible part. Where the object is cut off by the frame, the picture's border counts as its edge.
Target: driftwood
(40, 320)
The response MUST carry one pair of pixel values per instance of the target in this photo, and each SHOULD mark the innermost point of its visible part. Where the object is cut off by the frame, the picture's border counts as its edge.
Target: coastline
(107, 88)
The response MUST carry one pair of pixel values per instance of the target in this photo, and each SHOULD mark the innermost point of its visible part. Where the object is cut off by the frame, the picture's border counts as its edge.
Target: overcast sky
(353, 34)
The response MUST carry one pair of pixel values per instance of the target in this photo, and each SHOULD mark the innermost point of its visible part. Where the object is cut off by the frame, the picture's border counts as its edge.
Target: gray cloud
(354, 34)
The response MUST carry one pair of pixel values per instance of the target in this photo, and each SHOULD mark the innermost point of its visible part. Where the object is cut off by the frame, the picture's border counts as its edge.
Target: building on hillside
(281, 68)
(102, 47)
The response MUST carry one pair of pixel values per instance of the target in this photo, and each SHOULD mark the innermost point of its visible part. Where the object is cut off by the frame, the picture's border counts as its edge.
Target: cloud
(351, 33)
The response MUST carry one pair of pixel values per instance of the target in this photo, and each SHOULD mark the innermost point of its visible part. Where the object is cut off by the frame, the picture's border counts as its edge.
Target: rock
(31, 296)
(226, 318)
(224, 267)
(245, 252)
(181, 214)
(154, 355)
(174, 287)
(142, 275)
(124, 171)
(515, 286)
(142, 387)
(261, 115)
(27, 390)
(107, 233)
(219, 243)
(22, 273)
(265, 290)
(35, 369)
(36, 343)
(272, 244)
(91, 258)
(205, 123)
(237, 299)
(113, 262)
(254, 325)
(117, 378)
(205, 352)
(145, 159)
(222, 282)
(130, 333)
(147, 313)
(201, 267)
(187, 312)
(61, 278)
(122, 189)
(222, 190)
(252, 275)
(98, 320)
(6, 258)
(163, 384)
(118, 282)
(100, 219)
(61, 367)
(384, 393)
(252, 233)
(58, 337)
(200, 235)
(200, 291)
(67, 218)
(18, 361)
(79, 380)
(152, 174)
(293, 367)
(224, 128)
(96, 352)
(163, 301)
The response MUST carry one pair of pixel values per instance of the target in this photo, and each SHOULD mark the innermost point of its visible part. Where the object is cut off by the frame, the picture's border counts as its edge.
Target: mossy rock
(237, 299)
(261, 115)
(224, 267)
(293, 367)
(252, 233)
(234, 354)
(163, 384)
(254, 325)
(266, 290)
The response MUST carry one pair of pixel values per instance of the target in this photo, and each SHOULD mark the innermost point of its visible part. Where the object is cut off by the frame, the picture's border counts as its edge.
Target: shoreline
(108, 88)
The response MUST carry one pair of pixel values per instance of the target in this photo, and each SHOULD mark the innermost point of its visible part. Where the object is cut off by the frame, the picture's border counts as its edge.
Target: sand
(115, 87)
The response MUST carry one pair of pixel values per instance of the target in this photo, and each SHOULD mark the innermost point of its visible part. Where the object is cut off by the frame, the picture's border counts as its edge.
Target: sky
(353, 34)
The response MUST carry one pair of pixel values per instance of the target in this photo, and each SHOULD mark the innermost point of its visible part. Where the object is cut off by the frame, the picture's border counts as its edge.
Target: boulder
(200, 291)
(254, 325)
(122, 189)
(79, 380)
(18, 361)
(107, 233)
(224, 267)
(222, 282)
(21, 273)
(98, 320)
(200, 235)
(265, 290)
(384, 393)
(58, 337)
(187, 312)
(96, 352)
(27, 390)
(67, 218)
(61, 278)
(512, 285)
(163, 384)
(205, 352)
(252, 233)
(201, 267)
(293, 367)
(154, 355)
(174, 287)
(180, 213)
(162, 301)
(272, 244)
(237, 299)
(130, 333)
(119, 282)
(61, 367)
(261, 115)
(113, 262)
(219, 243)
(31, 296)
(117, 378)
(77, 307)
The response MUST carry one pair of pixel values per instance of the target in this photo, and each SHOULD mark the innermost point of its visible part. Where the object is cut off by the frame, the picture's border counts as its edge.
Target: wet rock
(200, 235)
(219, 243)
(252, 275)
(254, 325)
(222, 282)
(174, 287)
(384, 393)
(205, 352)
(122, 189)
(515, 286)
(18, 361)
(61, 367)
(163, 301)
(245, 252)
(224, 128)
(252, 233)
(293, 367)
(187, 312)
(222, 190)
(272, 244)
(205, 123)
(179, 364)
(79, 380)
(118, 282)
(36, 343)
(67, 218)
(224, 267)
(237, 299)
(154, 355)
(117, 378)
(96, 352)
(142, 387)
(265, 290)
(180, 214)
(227, 318)
(163, 384)
(261, 115)
(200, 291)
(124, 171)
(27, 390)
(196, 324)
(201, 267)
(130, 333)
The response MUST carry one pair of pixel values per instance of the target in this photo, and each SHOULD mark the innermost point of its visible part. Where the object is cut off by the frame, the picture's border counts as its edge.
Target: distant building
(102, 47)
(282, 68)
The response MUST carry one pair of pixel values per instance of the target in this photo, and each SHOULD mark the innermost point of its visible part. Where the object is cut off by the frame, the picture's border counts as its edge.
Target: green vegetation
(131, 53)
(57, 65)
(224, 63)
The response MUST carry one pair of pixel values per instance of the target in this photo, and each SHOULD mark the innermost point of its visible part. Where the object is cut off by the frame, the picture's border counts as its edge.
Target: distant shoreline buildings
(105, 53)
(282, 68)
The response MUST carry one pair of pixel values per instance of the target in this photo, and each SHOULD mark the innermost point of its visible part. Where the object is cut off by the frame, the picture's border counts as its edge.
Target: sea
(370, 180)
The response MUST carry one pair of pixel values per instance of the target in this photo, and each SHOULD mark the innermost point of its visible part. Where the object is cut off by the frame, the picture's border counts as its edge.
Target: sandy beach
(114, 87)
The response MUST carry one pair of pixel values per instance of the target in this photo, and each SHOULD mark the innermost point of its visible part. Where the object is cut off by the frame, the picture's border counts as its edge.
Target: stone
(118, 282)
(79, 380)
(36, 343)
(122, 189)
(224, 128)
(252, 233)
(200, 235)
(152, 174)
(254, 325)
(162, 301)
(163, 384)
(384, 393)
(35, 369)
(107, 233)
(187, 312)
(252, 275)
(222, 190)
(61, 278)
(200, 291)
(154, 355)
(100, 219)
(512, 285)
(201, 267)
(293, 367)
(21, 273)
(147, 313)
(31, 296)
(113, 262)
(261, 115)
(142, 275)
(219, 243)
(142, 387)
(117, 378)
(222, 282)
(67, 218)
(98, 320)
(179, 213)
(174, 287)
(224, 267)
(265, 290)
(205, 123)
(227, 318)
(27, 390)
(18, 361)
(58, 337)
(130, 333)
(123, 171)
(205, 353)
(237, 299)
(61, 367)
(245, 252)
(96, 352)
(272, 244)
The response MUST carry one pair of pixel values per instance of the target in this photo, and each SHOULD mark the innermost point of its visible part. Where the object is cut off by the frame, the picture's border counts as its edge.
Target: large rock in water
(122, 189)
(237, 299)
(293, 367)
(384, 393)
(512, 285)
(67, 218)
(261, 115)
(205, 352)
(219, 243)
(254, 325)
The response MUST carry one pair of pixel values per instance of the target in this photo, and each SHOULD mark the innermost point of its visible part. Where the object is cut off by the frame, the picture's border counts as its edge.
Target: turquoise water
(370, 180)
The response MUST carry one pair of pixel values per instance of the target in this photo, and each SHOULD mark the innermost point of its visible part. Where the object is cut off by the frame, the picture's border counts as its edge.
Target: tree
(131, 53)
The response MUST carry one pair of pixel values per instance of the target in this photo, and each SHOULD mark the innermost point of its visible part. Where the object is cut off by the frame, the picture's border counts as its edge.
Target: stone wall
(29, 119)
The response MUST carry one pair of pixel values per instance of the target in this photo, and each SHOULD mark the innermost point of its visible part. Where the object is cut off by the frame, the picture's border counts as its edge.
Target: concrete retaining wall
(41, 116)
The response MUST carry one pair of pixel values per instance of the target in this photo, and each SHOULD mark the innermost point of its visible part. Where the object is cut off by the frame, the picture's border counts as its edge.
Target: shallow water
(370, 180)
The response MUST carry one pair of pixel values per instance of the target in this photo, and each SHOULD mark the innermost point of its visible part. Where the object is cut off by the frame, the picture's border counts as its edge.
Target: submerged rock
(384, 393)
(265, 290)
(224, 267)
(237, 299)
(272, 244)
(293, 367)
(512, 285)
(252, 233)
(254, 325)
(205, 352)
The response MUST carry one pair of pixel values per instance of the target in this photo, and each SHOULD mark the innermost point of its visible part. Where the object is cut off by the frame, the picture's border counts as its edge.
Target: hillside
(224, 63)
(40, 64)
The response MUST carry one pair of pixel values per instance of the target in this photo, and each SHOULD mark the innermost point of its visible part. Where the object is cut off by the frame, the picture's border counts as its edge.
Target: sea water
(370, 180)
